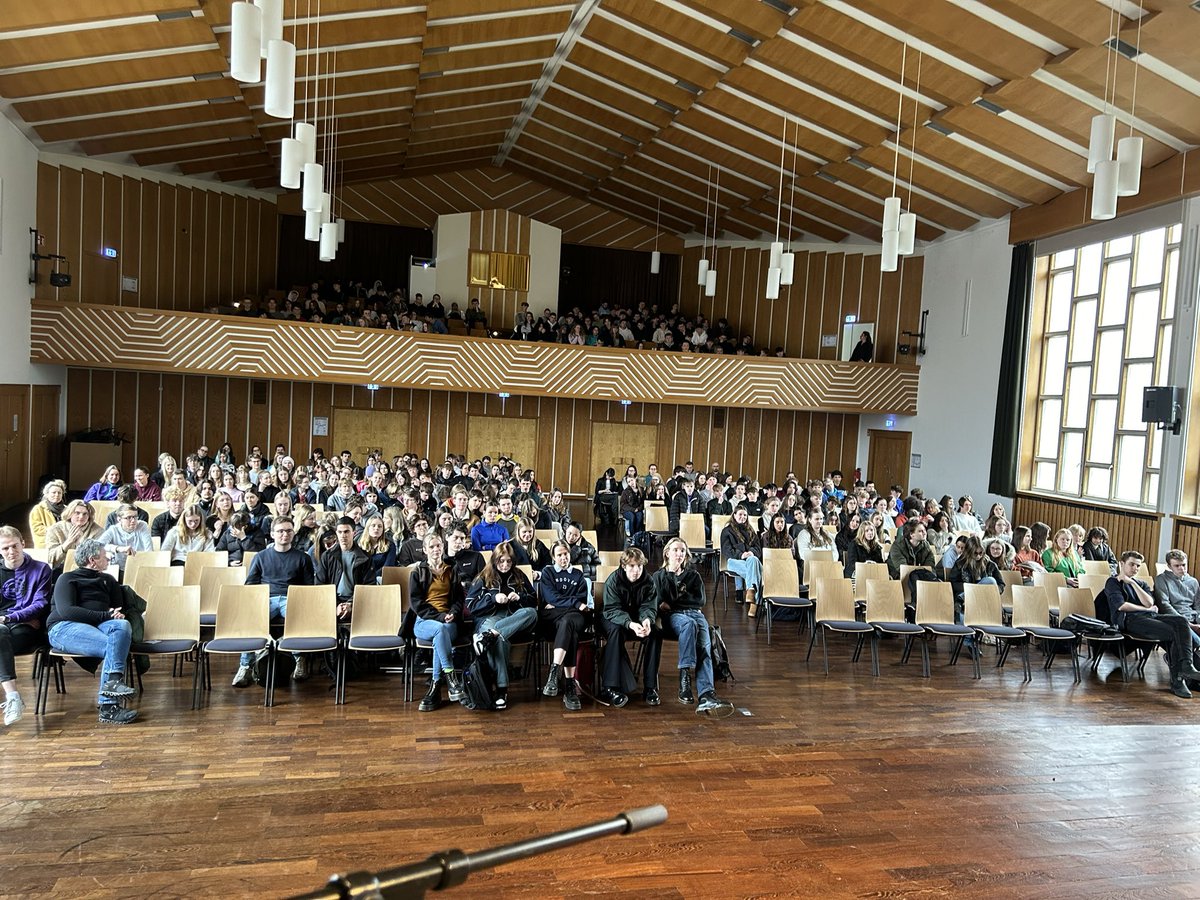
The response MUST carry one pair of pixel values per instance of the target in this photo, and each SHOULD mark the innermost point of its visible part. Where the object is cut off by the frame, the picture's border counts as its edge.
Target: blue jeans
(634, 521)
(108, 641)
(442, 635)
(695, 646)
(278, 611)
(746, 571)
(506, 624)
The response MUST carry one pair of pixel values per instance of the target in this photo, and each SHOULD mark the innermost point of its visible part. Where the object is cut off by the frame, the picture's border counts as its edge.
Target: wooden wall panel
(1127, 530)
(188, 247)
(1186, 537)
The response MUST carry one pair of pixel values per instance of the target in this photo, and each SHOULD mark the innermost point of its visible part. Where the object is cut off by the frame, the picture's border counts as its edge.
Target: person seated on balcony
(145, 488)
(48, 511)
(864, 350)
(188, 534)
(106, 488)
(1131, 608)
(128, 537)
(503, 604)
(64, 537)
(475, 316)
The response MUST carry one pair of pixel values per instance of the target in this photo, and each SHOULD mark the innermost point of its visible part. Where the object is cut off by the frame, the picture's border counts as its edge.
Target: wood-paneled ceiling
(635, 106)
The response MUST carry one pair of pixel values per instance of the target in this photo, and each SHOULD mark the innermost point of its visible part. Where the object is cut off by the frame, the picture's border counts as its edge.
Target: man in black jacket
(630, 608)
(685, 501)
(607, 498)
(87, 620)
(344, 566)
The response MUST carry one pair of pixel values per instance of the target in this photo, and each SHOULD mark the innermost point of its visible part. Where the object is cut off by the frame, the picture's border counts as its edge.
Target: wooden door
(44, 440)
(14, 442)
(889, 458)
(362, 430)
(617, 444)
(513, 437)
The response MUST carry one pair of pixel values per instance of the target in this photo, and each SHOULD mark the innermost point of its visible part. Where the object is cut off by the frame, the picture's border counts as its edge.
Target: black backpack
(478, 679)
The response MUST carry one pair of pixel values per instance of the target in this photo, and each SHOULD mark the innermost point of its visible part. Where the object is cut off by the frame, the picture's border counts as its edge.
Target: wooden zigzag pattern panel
(111, 337)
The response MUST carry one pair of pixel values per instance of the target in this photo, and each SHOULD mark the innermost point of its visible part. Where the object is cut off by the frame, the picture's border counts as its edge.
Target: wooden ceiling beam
(81, 129)
(151, 140)
(106, 74)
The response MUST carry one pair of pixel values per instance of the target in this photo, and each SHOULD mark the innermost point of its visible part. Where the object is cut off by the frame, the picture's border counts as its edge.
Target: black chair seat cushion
(1000, 631)
(307, 644)
(209, 619)
(898, 627)
(1051, 634)
(376, 642)
(236, 645)
(845, 625)
(948, 629)
(180, 646)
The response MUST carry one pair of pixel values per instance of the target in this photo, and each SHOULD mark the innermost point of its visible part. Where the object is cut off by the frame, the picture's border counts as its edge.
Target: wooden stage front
(846, 786)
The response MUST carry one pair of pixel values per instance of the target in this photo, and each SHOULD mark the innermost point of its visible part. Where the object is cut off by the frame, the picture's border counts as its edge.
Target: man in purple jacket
(24, 602)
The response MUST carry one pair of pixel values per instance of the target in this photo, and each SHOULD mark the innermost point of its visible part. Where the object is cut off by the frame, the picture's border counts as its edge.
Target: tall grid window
(1106, 312)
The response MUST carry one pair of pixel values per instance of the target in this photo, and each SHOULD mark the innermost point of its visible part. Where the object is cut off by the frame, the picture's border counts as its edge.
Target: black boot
(685, 687)
(551, 688)
(455, 682)
(570, 695)
(433, 697)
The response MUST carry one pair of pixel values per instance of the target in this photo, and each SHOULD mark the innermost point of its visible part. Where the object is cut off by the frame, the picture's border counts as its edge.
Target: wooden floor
(846, 786)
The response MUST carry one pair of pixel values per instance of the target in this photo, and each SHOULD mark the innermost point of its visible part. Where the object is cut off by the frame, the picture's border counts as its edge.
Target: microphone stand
(451, 868)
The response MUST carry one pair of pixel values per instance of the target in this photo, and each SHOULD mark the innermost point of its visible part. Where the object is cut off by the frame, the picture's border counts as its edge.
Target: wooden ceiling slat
(84, 105)
(601, 65)
(808, 209)
(658, 56)
(492, 30)
(1009, 138)
(453, 9)
(828, 230)
(756, 19)
(21, 16)
(474, 114)
(929, 179)
(582, 130)
(596, 168)
(427, 202)
(280, 129)
(218, 14)
(250, 173)
(531, 163)
(642, 203)
(465, 131)
(215, 148)
(368, 150)
(756, 117)
(477, 57)
(350, 62)
(640, 108)
(761, 171)
(1072, 23)
(665, 161)
(426, 104)
(443, 162)
(598, 114)
(79, 129)
(154, 139)
(551, 136)
(438, 145)
(460, 81)
(375, 82)
(103, 74)
(74, 45)
(234, 161)
(1168, 35)
(682, 29)
(762, 147)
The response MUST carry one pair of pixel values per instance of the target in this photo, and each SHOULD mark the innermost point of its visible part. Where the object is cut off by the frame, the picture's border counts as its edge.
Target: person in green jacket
(911, 549)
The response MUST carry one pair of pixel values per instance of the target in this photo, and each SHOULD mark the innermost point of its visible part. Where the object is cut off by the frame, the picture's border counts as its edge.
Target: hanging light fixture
(891, 206)
(245, 42)
(655, 256)
(314, 172)
(279, 95)
(340, 221)
(787, 262)
(329, 230)
(1129, 149)
(908, 219)
(1100, 140)
(1100, 145)
(710, 277)
(775, 263)
(272, 24)
(702, 269)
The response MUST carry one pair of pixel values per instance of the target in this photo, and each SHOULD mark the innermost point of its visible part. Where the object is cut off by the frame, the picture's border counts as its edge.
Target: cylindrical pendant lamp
(891, 214)
(655, 262)
(272, 23)
(1129, 166)
(326, 207)
(291, 162)
(1100, 143)
(908, 233)
(710, 283)
(245, 43)
(891, 251)
(776, 255)
(787, 269)
(702, 272)
(1104, 190)
(341, 227)
(773, 284)
(314, 181)
(280, 94)
(307, 135)
(312, 225)
(328, 242)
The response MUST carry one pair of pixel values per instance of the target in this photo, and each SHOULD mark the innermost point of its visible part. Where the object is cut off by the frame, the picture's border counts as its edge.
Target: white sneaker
(300, 673)
(14, 708)
(244, 677)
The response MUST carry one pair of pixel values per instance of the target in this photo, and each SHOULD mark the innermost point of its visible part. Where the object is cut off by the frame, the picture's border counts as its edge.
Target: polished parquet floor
(839, 786)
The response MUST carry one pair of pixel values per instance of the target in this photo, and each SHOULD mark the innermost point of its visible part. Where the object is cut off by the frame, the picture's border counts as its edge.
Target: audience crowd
(472, 531)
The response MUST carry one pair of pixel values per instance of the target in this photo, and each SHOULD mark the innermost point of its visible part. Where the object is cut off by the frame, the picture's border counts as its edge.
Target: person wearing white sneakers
(87, 620)
(24, 602)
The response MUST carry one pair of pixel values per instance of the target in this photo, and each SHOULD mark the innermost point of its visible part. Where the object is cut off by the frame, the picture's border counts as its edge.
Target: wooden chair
(1094, 567)
(375, 621)
(780, 588)
(589, 535)
(147, 558)
(152, 508)
(1031, 614)
(1080, 601)
(869, 571)
(691, 529)
(816, 555)
(547, 536)
(935, 614)
(1144, 575)
(198, 560)
(1011, 579)
(905, 571)
(983, 612)
(248, 557)
(658, 523)
(311, 625)
(818, 569)
(101, 510)
(243, 625)
(886, 614)
(1094, 584)
(834, 601)
(172, 626)
(610, 557)
(1052, 581)
(150, 577)
(602, 573)
(211, 581)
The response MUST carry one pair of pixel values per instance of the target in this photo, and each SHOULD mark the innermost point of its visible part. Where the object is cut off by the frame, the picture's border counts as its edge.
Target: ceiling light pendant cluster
(1122, 176)
(893, 220)
(710, 277)
(775, 266)
(787, 261)
(702, 268)
(257, 34)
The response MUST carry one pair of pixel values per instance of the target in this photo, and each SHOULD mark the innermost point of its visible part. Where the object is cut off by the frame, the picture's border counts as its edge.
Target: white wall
(451, 241)
(545, 255)
(956, 403)
(18, 213)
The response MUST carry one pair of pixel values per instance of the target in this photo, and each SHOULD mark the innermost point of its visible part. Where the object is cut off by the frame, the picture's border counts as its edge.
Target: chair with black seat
(835, 613)
(243, 625)
(172, 627)
(375, 620)
(658, 525)
(781, 588)
(609, 557)
(885, 613)
(935, 615)
(983, 612)
(147, 578)
(211, 580)
(691, 529)
(1031, 614)
(868, 571)
(311, 625)
(1080, 601)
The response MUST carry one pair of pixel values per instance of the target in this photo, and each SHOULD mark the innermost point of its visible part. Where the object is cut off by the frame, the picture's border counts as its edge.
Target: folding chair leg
(925, 657)
(1025, 648)
(1075, 661)
(825, 650)
(975, 658)
(875, 653)
(811, 640)
(269, 688)
(858, 647)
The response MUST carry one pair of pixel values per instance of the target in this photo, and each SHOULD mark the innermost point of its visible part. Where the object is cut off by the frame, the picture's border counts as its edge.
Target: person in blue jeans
(87, 620)
(279, 567)
(436, 596)
(679, 590)
(503, 604)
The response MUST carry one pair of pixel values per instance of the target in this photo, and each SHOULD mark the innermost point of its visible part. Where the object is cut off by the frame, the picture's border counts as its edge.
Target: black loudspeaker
(60, 279)
(1163, 406)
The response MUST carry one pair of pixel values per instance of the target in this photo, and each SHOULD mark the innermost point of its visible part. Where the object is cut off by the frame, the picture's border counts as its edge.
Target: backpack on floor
(720, 655)
(478, 679)
(585, 665)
